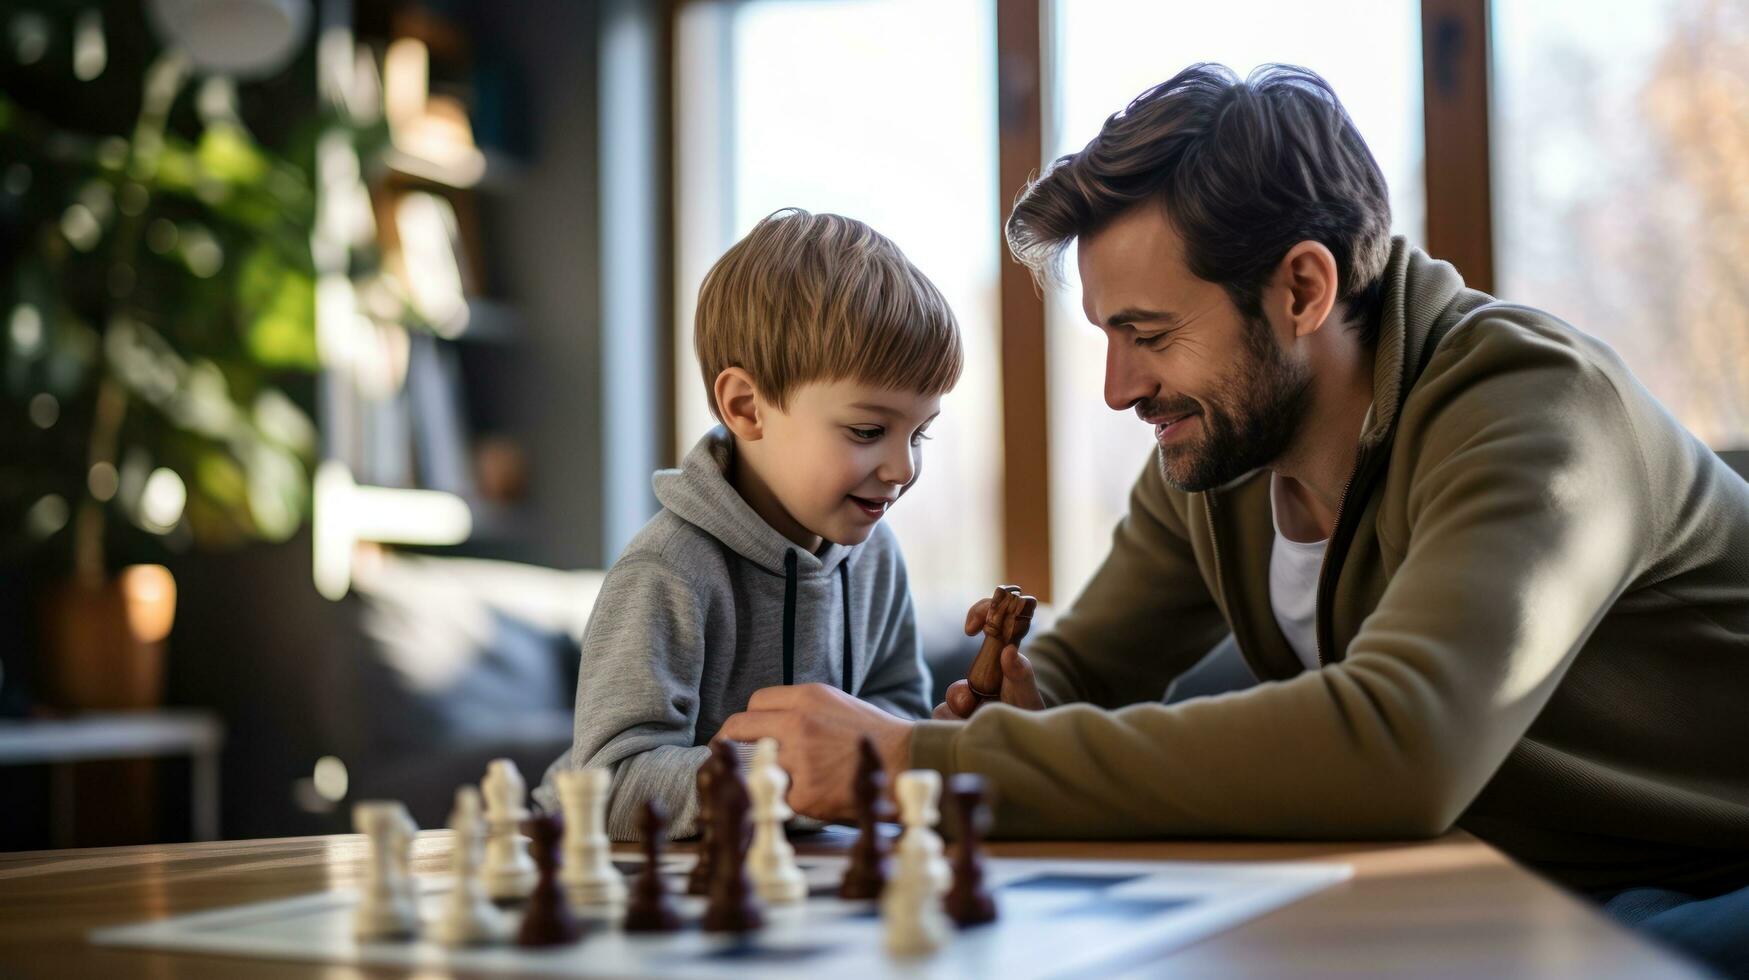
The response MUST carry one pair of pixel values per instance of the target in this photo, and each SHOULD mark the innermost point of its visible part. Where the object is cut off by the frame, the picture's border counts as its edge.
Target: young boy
(825, 354)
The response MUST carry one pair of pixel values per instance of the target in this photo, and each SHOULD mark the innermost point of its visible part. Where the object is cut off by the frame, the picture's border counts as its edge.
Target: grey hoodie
(709, 604)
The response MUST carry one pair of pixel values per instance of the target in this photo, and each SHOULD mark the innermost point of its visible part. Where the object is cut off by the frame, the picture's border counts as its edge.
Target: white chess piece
(509, 871)
(588, 873)
(911, 909)
(469, 916)
(387, 907)
(919, 795)
(772, 861)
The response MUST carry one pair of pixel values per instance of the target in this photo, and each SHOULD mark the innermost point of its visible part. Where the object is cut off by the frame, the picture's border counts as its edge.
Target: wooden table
(1451, 907)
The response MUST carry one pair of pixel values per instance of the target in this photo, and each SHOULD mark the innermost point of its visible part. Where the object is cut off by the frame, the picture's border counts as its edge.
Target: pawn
(699, 882)
(508, 872)
(650, 909)
(548, 920)
(866, 874)
(772, 859)
(388, 907)
(968, 902)
(732, 907)
(589, 876)
(919, 794)
(911, 907)
(469, 916)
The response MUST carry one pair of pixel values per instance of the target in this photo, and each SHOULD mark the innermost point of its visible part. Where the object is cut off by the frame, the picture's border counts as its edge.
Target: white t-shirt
(1293, 583)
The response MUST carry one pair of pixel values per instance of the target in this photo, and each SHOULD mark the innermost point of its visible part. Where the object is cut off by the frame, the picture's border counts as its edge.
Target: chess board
(1056, 918)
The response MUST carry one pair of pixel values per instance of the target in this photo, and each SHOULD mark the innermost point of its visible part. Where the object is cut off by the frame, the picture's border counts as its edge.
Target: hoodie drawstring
(789, 617)
(844, 580)
(789, 620)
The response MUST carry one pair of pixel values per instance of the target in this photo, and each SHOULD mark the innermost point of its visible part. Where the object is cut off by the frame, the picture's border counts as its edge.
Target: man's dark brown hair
(1245, 170)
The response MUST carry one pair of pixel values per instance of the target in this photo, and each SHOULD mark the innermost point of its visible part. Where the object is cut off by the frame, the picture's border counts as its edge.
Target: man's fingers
(944, 713)
(782, 697)
(1019, 685)
(960, 700)
(751, 726)
(976, 615)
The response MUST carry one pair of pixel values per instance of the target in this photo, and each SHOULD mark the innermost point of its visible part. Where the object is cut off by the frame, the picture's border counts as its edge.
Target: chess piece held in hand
(548, 920)
(387, 906)
(968, 902)
(650, 909)
(1006, 623)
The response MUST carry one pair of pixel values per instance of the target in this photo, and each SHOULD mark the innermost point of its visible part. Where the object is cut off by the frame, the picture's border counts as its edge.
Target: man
(1485, 579)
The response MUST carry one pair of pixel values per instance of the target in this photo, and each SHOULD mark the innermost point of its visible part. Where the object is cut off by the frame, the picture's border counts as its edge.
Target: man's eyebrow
(1133, 315)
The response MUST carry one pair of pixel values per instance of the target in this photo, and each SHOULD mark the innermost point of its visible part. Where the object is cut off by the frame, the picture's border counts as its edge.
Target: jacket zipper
(1324, 580)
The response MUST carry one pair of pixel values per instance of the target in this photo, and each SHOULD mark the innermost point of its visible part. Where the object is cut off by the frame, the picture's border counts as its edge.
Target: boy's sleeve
(637, 695)
(898, 677)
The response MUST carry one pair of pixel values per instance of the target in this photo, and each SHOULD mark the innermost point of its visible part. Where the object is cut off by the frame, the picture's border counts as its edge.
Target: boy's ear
(738, 404)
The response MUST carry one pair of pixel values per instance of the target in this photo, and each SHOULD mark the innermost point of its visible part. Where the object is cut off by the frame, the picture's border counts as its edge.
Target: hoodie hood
(700, 494)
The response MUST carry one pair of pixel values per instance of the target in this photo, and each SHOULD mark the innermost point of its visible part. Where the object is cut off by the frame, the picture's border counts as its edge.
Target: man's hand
(1019, 686)
(817, 730)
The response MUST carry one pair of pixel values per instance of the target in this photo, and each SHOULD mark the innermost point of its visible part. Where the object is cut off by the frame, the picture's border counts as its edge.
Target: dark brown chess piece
(968, 902)
(548, 920)
(1006, 623)
(866, 875)
(732, 907)
(650, 909)
(699, 882)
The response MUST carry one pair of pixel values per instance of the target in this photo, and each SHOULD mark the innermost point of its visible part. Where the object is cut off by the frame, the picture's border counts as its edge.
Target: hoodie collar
(699, 493)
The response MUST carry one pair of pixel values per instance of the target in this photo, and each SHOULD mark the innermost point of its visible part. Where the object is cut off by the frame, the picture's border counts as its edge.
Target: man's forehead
(1136, 261)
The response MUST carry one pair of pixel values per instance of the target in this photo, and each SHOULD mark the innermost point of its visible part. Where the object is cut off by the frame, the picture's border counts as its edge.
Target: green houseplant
(157, 354)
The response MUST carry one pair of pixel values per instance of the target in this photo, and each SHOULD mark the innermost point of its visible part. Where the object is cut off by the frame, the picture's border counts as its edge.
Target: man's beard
(1250, 421)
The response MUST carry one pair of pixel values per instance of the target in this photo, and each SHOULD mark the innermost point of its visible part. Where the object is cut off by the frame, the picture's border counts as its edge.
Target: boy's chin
(850, 536)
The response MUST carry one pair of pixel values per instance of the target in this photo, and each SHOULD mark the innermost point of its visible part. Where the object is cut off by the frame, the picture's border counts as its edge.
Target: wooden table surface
(1450, 907)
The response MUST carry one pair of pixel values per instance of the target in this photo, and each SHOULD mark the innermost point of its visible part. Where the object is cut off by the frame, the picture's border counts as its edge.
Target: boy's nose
(898, 467)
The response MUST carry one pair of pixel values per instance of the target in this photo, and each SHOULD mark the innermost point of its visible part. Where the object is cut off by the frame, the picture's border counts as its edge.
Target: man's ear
(1309, 286)
(738, 404)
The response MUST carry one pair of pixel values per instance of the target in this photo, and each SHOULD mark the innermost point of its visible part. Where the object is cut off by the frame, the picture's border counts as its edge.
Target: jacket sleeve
(1144, 618)
(1526, 510)
(898, 678)
(637, 695)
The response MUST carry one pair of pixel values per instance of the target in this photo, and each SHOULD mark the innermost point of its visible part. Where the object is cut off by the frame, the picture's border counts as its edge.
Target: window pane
(883, 110)
(1621, 161)
(1107, 53)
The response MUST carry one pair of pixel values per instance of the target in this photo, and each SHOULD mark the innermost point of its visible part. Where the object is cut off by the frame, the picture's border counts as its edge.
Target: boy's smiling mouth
(874, 507)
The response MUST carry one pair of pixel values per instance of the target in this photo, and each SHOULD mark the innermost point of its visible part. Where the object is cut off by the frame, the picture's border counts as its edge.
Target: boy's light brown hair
(821, 297)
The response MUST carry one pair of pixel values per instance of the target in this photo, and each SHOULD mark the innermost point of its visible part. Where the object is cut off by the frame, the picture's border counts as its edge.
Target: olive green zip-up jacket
(1532, 619)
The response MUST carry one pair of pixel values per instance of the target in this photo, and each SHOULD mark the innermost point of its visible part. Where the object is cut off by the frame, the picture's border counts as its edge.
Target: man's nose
(1125, 382)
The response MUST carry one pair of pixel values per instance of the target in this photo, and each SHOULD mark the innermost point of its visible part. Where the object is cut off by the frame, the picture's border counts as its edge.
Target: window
(1621, 158)
(1106, 53)
(883, 110)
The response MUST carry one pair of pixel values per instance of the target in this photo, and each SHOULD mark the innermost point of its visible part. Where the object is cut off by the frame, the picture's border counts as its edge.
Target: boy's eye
(921, 436)
(865, 434)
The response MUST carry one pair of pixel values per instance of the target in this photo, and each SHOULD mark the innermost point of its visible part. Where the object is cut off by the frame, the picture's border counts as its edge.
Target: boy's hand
(817, 730)
(1019, 688)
